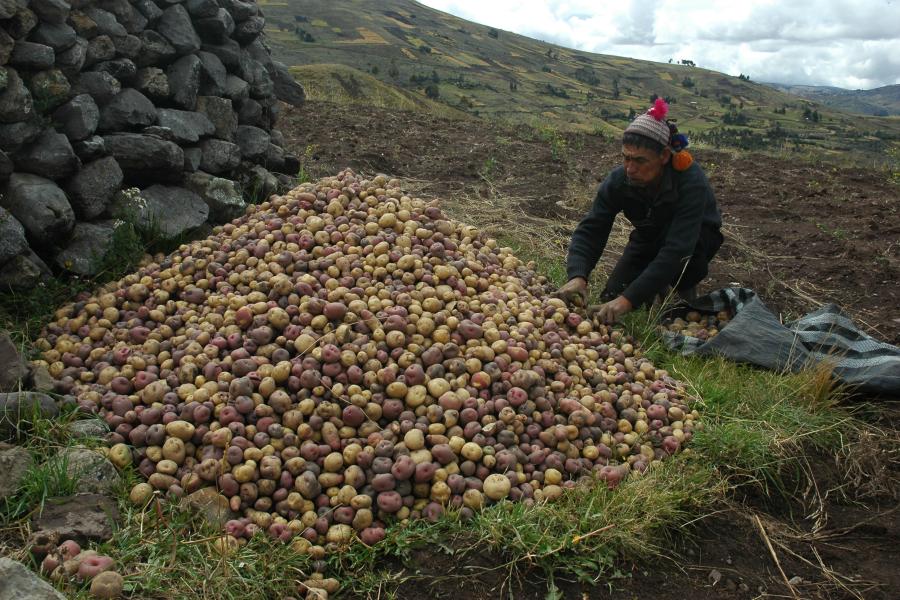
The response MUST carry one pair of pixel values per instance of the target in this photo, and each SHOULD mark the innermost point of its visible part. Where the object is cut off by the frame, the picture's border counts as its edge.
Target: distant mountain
(879, 102)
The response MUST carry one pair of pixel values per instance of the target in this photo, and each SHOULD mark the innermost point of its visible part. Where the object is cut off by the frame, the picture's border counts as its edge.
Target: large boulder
(217, 28)
(149, 10)
(90, 243)
(71, 61)
(249, 30)
(170, 211)
(58, 36)
(286, 87)
(15, 100)
(175, 25)
(17, 408)
(13, 369)
(21, 24)
(84, 26)
(155, 50)
(253, 141)
(99, 49)
(153, 83)
(99, 85)
(221, 113)
(84, 518)
(229, 52)
(12, 240)
(122, 69)
(29, 55)
(241, 11)
(129, 109)
(223, 196)
(130, 18)
(40, 206)
(90, 149)
(17, 135)
(212, 74)
(78, 118)
(146, 158)
(52, 11)
(50, 155)
(21, 583)
(184, 81)
(105, 21)
(93, 471)
(186, 126)
(128, 46)
(93, 188)
(219, 156)
(23, 273)
(236, 89)
(8, 8)
(49, 89)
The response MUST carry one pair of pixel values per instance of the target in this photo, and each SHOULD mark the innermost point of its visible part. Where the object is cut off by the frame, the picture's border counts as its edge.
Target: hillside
(501, 75)
(883, 101)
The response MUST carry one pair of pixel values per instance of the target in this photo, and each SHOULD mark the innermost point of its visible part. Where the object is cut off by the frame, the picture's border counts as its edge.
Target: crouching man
(667, 198)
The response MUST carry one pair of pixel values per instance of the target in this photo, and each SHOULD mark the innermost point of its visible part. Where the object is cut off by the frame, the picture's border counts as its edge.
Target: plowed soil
(800, 233)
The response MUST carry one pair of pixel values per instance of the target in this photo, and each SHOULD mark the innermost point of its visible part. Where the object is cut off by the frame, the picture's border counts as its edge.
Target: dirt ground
(800, 234)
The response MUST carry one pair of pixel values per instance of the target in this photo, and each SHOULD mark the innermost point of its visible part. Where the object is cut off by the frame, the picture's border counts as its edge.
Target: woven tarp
(757, 336)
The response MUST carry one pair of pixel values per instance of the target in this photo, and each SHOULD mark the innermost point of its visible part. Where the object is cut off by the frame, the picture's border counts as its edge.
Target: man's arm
(589, 238)
(679, 245)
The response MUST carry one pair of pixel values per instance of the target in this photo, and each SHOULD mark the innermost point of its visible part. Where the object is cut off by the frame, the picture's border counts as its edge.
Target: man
(674, 213)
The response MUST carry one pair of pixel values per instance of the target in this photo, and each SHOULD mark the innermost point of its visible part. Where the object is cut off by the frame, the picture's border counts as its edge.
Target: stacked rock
(177, 99)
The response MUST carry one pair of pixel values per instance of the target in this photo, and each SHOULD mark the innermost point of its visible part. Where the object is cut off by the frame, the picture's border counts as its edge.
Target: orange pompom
(682, 160)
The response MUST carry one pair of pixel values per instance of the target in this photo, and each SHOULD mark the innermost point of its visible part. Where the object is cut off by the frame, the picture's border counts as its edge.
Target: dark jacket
(668, 224)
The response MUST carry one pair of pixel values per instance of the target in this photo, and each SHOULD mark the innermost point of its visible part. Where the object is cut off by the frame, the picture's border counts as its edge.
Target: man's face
(643, 166)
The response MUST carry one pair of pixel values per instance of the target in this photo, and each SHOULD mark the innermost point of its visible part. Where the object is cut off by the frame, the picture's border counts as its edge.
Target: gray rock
(221, 114)
(228, 52)
(99, 85)
(186, 126)
(236, 88)
(50, 155)
(259, 184)
(6, 167)
(241, 11)
(274, 160)
(84, 26)
(49, 89)
(51, 11)
(250, 112)
(160, 132)
(146, 157)
(184, 81)
(93, 471)
(23, 273)
(249, 30)
(16, 135)
(90, 149)
(18, 582)
(15, 100)
(17, 408)
(89, 244)
(217, 28)
(106, 22)
(223, 196)
(6, 46)
(129, 109)
(14, 463)
(40, 378)
(261, 85)
(21, 23)
(153, 83)
(122, 69)
(172, 210)
(277, 137)
(94, 187)
(212, 74)
(40, 206)
(88, 428)
(219, 156)
(126, 14)
(71, 61)
(78, 118)
(192, 158)
(28, 55)
(200, 9)
(13, 369)
(253, 142)
(58, 36)
(175, 25)
(286, 87)
(149, 10)
(212, 505)
(84, 518)
(128, 46)
(155, 50)
(8, 8)
(99, 49)
(12, 243)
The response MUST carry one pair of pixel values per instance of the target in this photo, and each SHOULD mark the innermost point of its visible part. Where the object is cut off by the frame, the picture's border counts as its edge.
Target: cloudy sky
(852, 44)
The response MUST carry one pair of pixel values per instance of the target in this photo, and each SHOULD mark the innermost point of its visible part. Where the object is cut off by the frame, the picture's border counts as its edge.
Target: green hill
(492, 73)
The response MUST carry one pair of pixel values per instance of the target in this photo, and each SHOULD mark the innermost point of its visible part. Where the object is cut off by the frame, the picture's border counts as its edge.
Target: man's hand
(574, 293)
(610, 312)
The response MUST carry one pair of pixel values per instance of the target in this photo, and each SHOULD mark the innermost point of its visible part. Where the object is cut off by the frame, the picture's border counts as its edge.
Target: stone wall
(177, 98)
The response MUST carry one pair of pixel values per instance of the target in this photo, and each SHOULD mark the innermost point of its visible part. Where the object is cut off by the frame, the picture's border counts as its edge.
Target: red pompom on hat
(652, 124)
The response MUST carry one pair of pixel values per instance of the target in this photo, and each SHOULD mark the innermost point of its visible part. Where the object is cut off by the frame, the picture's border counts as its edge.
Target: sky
(853, 44)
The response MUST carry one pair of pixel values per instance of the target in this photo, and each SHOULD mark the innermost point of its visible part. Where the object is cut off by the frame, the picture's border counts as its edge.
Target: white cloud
(846, 43)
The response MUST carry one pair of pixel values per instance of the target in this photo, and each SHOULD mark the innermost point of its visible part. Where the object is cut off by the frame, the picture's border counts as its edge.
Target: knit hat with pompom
(652, 124)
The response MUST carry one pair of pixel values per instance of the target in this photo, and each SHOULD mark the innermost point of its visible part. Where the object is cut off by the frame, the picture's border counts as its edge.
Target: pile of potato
(344, 356)
(697, 325)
